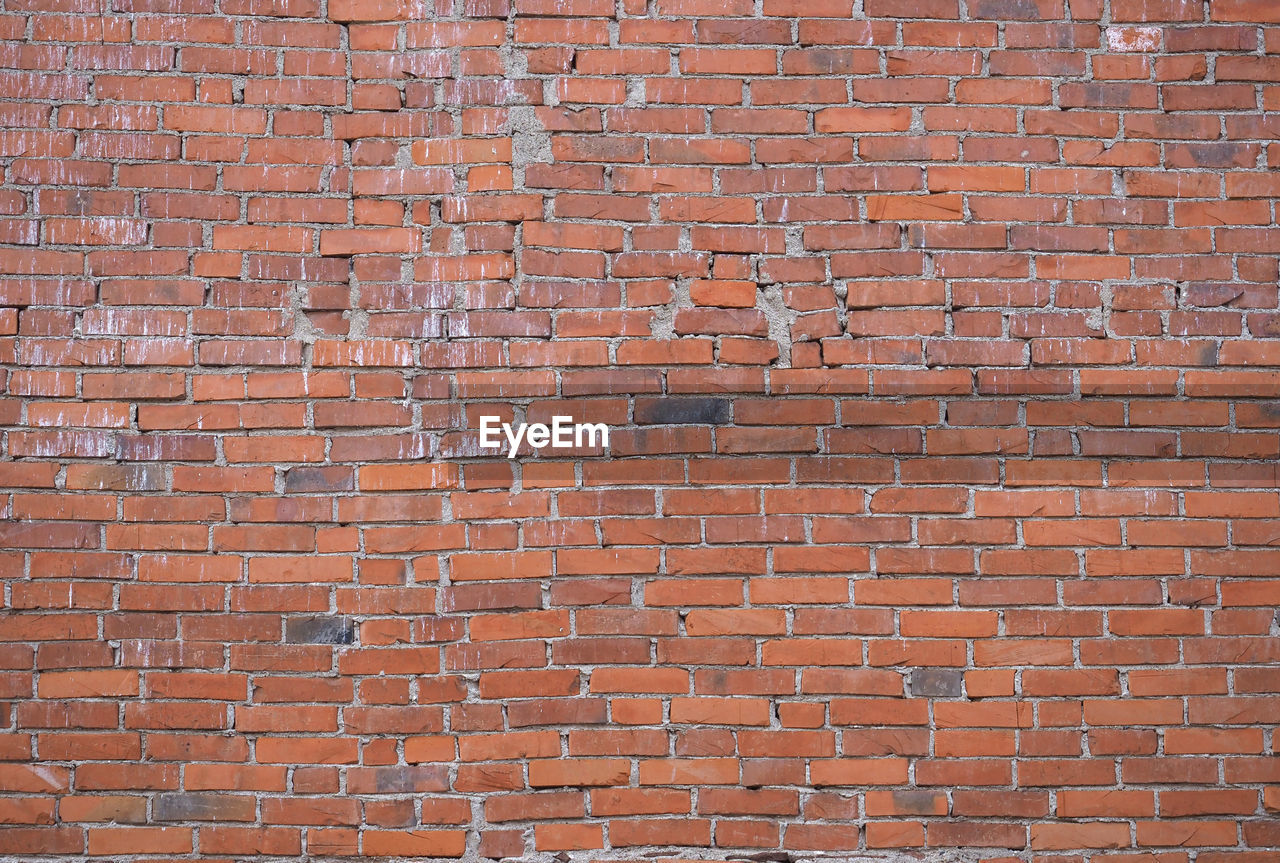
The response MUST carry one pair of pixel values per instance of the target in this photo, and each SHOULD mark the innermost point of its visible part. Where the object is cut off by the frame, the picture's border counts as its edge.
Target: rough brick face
(938, 342)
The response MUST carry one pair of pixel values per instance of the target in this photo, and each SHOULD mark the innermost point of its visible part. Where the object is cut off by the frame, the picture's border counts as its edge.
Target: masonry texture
(940, 510)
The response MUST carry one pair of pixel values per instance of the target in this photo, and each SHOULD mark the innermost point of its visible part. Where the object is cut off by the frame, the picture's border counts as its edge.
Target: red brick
(980, 472)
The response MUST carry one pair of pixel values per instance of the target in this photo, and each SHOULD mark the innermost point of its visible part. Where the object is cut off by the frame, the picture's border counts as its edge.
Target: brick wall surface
(942, 360)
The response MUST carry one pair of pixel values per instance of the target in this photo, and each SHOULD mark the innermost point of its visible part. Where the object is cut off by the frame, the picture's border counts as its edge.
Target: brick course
(940, 346)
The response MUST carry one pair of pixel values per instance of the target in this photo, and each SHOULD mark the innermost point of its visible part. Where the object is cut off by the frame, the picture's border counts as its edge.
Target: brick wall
(940, 355)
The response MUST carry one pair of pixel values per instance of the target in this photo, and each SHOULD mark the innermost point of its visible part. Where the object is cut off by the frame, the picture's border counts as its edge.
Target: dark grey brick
(682, 411)
(319, 630)
(335, 478)
(203, 807)
(937, 682)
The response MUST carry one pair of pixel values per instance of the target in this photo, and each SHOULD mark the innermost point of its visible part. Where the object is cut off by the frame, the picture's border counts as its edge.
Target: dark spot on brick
(919, 803)
(937, 683)
(165, 447)
(1265, 325)
(1020, 10)
(1215, 154)
(1210, 295)
(319, 630)
(307, 479)
(203, 807)
(407, 780)
(682, 411)
(830, 61)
